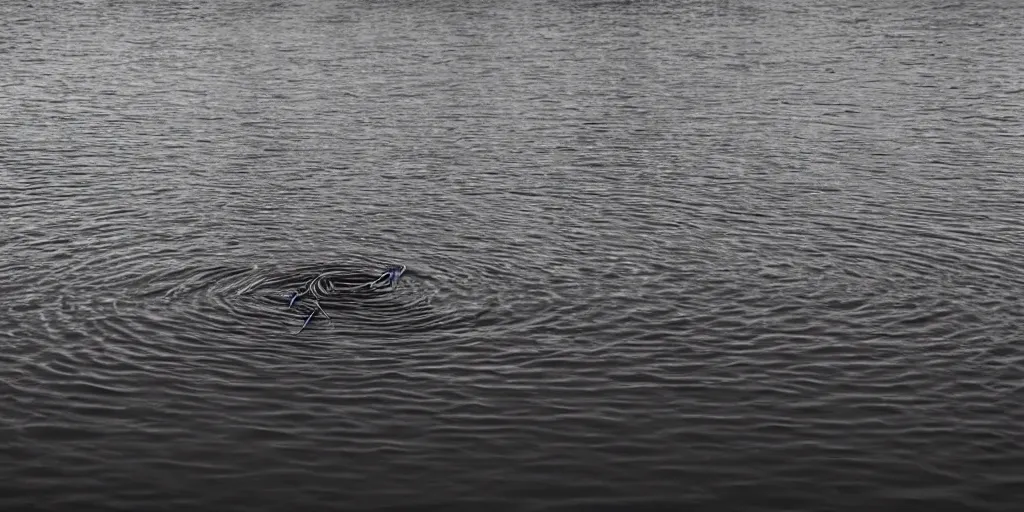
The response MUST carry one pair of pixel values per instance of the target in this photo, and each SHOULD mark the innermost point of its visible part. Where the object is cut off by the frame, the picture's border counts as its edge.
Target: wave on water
(254, 301)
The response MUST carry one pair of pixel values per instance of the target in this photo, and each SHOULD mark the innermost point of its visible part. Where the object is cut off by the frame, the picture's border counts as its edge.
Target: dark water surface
(724, 255)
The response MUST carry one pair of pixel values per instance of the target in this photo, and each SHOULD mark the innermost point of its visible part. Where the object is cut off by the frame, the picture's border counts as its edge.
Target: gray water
(722, 255)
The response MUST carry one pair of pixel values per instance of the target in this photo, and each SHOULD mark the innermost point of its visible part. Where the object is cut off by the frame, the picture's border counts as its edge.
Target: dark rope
(322, 286)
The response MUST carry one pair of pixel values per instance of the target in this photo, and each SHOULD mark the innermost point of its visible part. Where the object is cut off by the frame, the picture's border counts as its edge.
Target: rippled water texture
(722, 255)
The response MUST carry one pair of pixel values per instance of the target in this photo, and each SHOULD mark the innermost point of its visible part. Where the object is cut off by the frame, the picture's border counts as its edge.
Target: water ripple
(712, 255)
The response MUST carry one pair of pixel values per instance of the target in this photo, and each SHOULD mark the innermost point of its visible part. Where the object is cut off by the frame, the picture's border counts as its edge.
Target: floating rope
(322, 286)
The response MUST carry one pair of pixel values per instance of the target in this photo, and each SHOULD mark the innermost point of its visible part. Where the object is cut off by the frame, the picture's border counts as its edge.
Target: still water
(724, 255)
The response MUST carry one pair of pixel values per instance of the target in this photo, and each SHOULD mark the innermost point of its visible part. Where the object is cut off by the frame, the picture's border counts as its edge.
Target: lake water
(706, 255)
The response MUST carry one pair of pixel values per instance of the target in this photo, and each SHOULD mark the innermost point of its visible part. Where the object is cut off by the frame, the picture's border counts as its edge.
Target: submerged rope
(322, 286)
